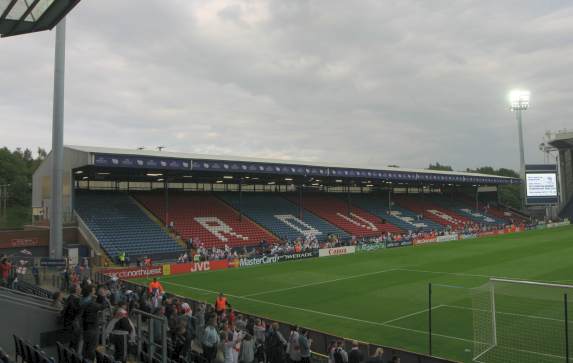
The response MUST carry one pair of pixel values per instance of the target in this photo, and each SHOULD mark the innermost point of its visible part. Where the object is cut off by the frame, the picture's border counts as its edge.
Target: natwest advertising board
(134, 272)
(337, 251)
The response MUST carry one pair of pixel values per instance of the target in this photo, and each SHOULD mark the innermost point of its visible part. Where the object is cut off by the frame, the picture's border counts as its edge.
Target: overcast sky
(367, 82)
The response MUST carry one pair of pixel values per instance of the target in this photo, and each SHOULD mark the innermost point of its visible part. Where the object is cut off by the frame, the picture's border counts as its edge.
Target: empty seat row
(401, 217)
(281, 216)
(351, 219)
(121, 225)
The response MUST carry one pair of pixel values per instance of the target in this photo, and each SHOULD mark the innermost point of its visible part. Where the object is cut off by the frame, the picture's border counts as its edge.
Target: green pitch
(382, 297)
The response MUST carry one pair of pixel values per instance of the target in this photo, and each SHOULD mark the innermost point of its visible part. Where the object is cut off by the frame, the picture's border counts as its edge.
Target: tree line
(509, 195)
(16, 170)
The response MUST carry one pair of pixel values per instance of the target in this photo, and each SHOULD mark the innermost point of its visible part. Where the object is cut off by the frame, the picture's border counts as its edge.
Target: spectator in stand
(259, 331)
(376, 357)
(5, 268)
(121, 331)
(340, 355)
(89, 321)
(200, 321)
(355, 355)
(330, 351)
(241, 323)
(58, 300)
(210, 340)
(229, 339)
(304, 344)
(70, 318)
(293, 347)
(275, 345)
(247, 353)
(190, 321)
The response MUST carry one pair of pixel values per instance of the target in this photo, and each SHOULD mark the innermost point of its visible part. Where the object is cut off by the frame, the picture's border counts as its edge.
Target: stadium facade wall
(34, 237)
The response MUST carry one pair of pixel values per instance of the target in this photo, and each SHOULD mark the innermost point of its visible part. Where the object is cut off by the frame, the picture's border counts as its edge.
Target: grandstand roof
(22, 17)
(105, 157)
(562, 140)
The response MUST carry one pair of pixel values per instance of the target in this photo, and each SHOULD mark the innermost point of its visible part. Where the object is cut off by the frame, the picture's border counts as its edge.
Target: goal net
(520, 321)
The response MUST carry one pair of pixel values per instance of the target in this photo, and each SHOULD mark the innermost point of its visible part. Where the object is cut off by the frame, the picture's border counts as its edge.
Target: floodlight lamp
(519, 99)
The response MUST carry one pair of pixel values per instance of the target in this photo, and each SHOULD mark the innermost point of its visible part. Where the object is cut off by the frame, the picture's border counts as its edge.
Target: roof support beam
(8, 9)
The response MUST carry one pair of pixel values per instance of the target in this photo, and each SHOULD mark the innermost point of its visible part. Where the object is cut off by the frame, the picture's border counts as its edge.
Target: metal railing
(145, 330)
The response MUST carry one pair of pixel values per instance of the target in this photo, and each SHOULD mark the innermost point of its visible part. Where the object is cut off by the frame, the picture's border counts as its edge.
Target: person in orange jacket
(155, 286)
(221, 304)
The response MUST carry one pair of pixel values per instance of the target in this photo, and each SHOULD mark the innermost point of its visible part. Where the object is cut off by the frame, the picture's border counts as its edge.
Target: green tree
(16, 170)
(509, 195)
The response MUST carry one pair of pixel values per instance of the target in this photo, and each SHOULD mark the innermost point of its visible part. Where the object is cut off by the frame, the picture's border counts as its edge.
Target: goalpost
(520, 321)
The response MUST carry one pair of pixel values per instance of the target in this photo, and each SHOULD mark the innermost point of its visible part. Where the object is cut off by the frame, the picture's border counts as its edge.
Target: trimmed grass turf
(381, 297)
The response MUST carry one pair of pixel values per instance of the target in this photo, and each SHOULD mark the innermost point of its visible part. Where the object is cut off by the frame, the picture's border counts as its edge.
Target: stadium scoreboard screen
(541, 184)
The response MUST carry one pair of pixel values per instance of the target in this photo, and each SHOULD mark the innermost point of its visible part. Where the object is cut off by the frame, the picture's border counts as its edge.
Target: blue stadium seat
(121, 226)
(401, 217)
(463, 210)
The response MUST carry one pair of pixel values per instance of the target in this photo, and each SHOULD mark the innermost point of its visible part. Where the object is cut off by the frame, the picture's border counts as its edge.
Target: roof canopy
(28, 16)
(563, 140)
(149, 165)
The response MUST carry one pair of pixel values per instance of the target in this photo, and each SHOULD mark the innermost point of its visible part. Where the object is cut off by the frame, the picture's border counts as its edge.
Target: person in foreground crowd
(210, 340)
(339, 355)
(89, 321)
(355, 355)
(376, 357)
(5, 268)
(304, 343)
(293, 346)
(275, 344)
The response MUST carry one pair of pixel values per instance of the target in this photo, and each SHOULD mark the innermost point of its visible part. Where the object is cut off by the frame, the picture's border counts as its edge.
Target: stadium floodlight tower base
(56, 210)
(520, 321)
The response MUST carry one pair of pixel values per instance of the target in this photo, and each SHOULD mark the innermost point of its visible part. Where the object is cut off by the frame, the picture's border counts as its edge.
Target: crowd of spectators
(101, 316)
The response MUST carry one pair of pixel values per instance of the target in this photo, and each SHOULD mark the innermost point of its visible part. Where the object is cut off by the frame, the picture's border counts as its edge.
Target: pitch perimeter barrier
(320, 340)
(213, 265)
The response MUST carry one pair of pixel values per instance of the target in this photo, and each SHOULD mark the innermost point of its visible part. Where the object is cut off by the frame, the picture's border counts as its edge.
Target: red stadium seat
(203, 216)
(355, 221)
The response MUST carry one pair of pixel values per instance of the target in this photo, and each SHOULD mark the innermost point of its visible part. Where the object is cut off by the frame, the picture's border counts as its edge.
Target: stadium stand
(280, 216)
(121, 226)
(401, 217)
(492, 210)
(460, 208)
(355, 221)
(430, 210)
(203, 216)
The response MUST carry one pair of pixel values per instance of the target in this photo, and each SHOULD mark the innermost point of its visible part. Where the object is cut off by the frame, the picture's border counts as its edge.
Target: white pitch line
(412, 314)
(385, 324)
(320, 282)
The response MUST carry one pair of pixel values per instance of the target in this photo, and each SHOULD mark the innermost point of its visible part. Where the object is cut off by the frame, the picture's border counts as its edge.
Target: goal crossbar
(534, 283)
